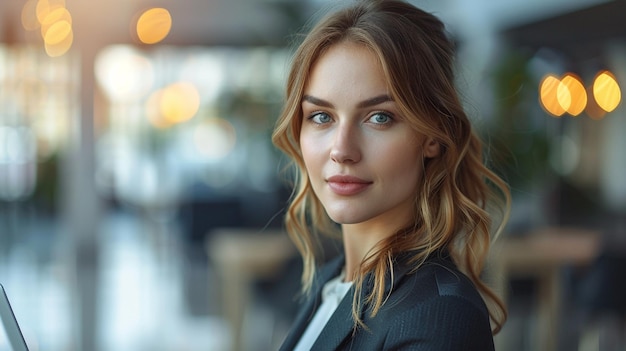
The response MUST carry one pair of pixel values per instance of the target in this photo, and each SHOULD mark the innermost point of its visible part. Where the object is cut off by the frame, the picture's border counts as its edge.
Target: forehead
(348, 66)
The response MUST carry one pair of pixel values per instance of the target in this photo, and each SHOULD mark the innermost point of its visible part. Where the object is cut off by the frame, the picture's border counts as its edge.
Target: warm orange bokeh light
(176, 103)
(568, 94)
(549, 95)
(56, 48)
(44, 7)
(54, 21)
(572, 95)
(57, 15)
(57, 32)
(154, 25)
(606, 91)
(180, 102)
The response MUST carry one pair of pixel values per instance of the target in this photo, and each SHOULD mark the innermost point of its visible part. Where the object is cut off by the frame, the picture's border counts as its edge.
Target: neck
(358, 243)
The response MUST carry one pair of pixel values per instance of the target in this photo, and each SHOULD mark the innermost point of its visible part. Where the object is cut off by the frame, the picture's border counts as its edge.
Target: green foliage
(518, 138)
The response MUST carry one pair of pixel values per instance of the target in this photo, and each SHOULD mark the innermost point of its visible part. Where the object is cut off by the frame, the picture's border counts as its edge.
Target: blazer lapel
(306, 313)
(341, 325)
(338, 327)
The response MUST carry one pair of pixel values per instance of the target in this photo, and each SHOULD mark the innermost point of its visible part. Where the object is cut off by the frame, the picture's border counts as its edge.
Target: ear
(431, 148)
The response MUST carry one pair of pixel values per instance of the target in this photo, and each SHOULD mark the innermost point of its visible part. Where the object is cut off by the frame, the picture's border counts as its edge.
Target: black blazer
(436, 308)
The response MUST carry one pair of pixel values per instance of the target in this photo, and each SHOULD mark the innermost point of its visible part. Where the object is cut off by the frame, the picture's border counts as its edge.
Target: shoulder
(444, 323)
(438, 306)
(437, 278)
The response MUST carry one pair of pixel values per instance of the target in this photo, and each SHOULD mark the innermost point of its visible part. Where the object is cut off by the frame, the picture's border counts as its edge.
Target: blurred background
(141, 199)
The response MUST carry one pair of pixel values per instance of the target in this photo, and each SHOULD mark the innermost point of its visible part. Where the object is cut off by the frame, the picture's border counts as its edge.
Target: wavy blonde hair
(455, 203)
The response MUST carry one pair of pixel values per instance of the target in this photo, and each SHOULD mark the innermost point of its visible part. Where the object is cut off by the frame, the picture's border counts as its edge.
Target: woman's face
(363, 160)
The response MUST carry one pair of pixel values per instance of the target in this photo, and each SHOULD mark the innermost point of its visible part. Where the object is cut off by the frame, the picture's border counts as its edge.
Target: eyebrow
(376, 100)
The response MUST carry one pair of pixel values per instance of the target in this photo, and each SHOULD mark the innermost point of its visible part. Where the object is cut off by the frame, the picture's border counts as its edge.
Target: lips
(347, 185)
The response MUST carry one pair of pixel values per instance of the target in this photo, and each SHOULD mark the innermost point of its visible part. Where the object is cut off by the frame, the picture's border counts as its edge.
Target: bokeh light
(59, 40)
(174, 104)
(179, 102)
(572, 95)
(124, 74)
(52, 18)
(568, 94)
(58, 32)
(606, 91)
(54, 21)
(548, 93)
(154, 25)
(44, 7)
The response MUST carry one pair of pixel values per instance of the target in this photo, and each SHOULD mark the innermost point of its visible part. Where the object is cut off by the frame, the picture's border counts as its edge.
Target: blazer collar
(341, 324)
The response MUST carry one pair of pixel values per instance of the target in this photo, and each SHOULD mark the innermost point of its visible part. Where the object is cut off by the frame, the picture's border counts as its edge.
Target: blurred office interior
(141, 199)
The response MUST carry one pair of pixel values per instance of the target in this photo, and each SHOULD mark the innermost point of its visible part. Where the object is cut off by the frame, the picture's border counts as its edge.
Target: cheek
(310, 153)
(402, 162)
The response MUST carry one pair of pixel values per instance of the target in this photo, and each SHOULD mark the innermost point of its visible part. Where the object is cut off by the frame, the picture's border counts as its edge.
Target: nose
(345, 148)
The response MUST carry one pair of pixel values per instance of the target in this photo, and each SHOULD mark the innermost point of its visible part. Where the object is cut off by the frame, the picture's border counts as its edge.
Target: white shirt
(332, 294)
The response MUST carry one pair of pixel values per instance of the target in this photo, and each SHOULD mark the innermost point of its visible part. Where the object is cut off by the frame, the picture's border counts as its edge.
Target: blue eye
(380, 118)
(320, 118)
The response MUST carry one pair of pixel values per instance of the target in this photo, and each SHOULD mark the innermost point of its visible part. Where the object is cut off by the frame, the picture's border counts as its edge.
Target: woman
(386, 159)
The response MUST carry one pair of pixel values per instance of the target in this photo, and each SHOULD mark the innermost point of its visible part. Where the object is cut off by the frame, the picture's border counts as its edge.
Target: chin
(343, 218)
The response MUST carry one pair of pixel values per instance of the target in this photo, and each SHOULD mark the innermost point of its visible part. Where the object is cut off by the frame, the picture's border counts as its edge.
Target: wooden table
(542, 254)
(242, 256)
